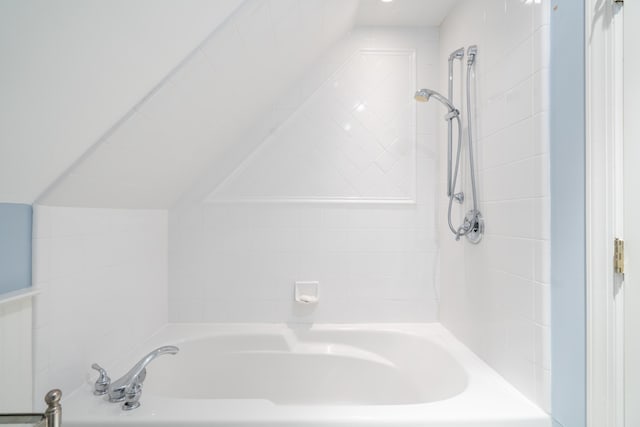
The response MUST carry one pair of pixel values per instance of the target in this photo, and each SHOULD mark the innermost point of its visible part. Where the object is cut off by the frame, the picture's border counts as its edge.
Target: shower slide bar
(473, 224)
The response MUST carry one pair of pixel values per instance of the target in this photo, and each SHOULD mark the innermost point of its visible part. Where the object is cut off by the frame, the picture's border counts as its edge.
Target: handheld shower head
(423, 95)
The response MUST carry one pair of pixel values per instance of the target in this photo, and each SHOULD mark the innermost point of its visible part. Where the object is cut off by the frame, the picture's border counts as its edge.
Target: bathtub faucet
(129, 387)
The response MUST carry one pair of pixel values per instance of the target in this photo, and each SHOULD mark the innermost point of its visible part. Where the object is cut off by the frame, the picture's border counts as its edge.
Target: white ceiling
(414, 13)
(206, 107)
(72, 68)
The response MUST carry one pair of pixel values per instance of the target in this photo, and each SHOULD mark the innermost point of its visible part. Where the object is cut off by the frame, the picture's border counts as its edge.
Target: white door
(632, 211)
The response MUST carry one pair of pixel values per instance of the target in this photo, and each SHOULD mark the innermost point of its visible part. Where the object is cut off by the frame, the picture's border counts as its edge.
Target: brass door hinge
(618, 256)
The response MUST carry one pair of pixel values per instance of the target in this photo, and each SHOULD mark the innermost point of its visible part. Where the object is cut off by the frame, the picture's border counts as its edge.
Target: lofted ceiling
(107, 104)
(72, 68)
(206, 107)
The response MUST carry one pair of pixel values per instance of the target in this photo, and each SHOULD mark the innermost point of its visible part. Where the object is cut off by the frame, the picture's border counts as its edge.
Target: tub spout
(117, 389)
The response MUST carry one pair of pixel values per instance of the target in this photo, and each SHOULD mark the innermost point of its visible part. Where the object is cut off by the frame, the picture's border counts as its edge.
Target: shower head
(423, 95)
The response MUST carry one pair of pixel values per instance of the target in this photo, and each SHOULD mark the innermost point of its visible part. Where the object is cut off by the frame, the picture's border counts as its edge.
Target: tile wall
(376, 261)
(102, 274)
(353, 139)
(495, 295)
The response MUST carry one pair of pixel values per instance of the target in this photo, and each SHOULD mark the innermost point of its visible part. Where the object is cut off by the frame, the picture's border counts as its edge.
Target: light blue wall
(568, 336)
(15, 246)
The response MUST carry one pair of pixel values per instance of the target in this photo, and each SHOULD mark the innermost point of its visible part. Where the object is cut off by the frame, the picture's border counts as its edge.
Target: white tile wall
(352, 139)
(103, 277)
(15, 356)
(238, 262)
(499, 302)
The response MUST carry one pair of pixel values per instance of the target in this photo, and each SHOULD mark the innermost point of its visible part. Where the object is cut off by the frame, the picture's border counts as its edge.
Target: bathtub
(321, 375)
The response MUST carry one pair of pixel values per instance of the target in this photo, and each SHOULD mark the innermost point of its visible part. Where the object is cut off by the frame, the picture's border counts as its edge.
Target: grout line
(495, 202)
(511, 163)
(481, 202)
(508, 127)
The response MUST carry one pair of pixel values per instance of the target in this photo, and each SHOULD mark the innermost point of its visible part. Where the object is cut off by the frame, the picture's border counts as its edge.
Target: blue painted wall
(15, 246)
(568, 255)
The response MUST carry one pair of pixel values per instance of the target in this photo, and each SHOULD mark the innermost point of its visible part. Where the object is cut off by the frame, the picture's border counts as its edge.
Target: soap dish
(306, 292)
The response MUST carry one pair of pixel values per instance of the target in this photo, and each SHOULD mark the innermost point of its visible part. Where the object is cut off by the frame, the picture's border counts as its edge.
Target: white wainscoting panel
(15, 356)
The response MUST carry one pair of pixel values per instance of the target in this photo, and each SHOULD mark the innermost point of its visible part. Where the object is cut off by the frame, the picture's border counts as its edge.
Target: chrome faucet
(129, 386)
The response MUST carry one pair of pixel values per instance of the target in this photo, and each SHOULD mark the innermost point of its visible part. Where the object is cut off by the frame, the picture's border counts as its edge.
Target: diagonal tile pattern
(353, 138)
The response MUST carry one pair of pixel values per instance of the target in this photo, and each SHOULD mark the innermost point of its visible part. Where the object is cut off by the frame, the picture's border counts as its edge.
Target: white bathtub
(324, 375)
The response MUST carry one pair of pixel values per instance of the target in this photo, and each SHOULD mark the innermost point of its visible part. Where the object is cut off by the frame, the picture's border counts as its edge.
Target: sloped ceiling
(72, 68)
(156, 153)
(110, 105)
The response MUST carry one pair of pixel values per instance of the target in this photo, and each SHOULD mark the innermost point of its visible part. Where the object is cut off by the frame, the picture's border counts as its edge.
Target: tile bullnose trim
(18, 295)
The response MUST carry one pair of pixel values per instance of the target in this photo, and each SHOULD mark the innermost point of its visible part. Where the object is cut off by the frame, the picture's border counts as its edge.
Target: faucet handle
(103, 381)
(132, 395)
